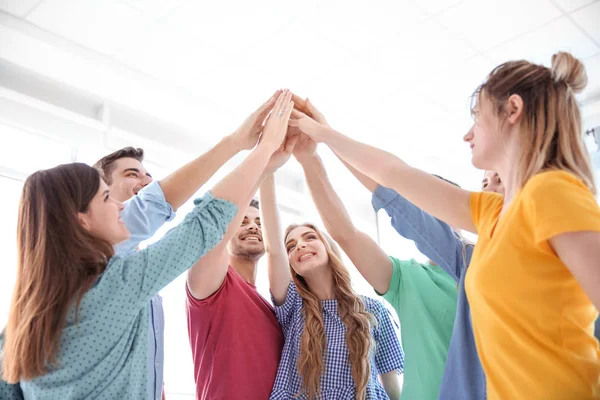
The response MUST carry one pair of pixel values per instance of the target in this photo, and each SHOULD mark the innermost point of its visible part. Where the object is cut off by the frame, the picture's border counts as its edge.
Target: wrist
(308, 159)
(232, 142)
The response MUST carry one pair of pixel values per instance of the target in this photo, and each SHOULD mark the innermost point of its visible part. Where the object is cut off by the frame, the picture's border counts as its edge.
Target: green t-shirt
(424, 296)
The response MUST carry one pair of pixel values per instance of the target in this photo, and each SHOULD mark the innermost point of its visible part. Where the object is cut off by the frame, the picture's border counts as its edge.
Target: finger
(288, 110)
(268, 105)
(294, 122)
(280, 100)
(298, 114)
(299, 102)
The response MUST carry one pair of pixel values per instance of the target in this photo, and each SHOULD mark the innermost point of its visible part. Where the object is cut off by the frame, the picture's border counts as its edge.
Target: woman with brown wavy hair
(534, 280)
(337, 343)
(77, 325)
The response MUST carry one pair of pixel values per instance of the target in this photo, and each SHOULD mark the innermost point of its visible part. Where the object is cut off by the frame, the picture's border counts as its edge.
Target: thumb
(294, 122)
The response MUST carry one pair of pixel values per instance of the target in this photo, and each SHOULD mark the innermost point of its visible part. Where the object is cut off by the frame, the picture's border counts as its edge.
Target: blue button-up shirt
(143, 215)
(463, 376)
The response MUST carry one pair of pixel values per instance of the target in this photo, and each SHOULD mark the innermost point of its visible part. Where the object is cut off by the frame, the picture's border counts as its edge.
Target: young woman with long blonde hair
(534, 279)
(337, 343)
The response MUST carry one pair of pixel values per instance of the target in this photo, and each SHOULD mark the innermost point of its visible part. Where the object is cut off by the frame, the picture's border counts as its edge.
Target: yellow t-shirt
(533, 322)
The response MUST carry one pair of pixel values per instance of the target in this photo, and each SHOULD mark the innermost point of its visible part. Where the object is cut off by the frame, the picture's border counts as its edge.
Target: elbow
(389, 172)
(344, 236)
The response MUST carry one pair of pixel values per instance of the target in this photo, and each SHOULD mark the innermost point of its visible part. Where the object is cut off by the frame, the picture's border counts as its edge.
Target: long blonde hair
(552, 132)
(352, 312)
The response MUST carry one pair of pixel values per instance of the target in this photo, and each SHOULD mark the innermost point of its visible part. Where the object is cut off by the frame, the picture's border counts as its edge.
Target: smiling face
(102, 219)
(247, 242)
(128, 178)
(306, 251)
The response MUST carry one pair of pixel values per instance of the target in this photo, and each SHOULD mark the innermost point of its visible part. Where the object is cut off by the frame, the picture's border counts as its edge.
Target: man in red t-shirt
(235, 337)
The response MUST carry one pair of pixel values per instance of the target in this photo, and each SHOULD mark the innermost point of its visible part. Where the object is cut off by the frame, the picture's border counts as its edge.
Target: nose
(120, 205)
(146, 180)
(469, 135)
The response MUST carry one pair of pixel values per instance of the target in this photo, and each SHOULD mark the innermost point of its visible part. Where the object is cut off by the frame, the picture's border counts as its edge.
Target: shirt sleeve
(485, 208)
(399, 272)
(10, 391)
(144, 273)
(290, 307)
(143, 215)
(434, 238)
(558, 202)
(389, 355)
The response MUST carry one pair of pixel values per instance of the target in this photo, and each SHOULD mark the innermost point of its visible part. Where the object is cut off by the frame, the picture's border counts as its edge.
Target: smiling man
(235, 337)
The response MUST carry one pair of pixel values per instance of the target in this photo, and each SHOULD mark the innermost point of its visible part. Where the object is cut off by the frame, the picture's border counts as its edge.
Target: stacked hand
(246, 136)
(276, 126)
(289, 125)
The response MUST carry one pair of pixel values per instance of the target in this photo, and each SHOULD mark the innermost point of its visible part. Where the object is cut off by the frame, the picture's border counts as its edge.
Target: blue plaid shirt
(336, 381)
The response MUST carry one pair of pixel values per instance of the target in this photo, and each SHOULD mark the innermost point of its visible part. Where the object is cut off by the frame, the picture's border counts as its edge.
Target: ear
(514, 108)
(84, 220)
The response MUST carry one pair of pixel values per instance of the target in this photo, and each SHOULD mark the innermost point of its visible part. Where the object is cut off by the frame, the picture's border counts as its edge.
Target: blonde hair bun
(568, 69)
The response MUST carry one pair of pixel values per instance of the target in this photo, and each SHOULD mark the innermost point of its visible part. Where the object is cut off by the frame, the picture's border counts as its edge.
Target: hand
(306, 106)
(246, 136)
(309, 126)
(305, 148)
(314, 113)
(277, 124)
(282, 155)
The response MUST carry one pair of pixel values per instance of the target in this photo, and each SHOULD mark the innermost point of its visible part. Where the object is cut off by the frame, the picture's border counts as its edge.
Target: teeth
(304, 257)
(252, 238)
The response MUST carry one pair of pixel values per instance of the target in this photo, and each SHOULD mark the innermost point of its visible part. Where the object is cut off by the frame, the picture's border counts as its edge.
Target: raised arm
(277, 260)
(182, 184)
(419, 187)
(370, 260)
(207, 275)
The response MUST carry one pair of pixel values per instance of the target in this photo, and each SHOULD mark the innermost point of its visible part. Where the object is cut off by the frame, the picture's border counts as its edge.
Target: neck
(246, 268)
(321, 284)
(507, 171)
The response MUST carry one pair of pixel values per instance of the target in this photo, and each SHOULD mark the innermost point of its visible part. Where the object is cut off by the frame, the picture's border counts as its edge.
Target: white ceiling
(395, 73)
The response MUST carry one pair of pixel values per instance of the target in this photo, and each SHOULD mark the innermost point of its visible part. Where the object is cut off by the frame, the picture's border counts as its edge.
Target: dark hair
(444, 179)
(254, 203)
(106, 165)
(58, 261)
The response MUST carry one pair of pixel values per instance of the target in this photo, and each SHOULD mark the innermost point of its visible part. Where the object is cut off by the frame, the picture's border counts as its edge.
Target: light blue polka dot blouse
(104, 354)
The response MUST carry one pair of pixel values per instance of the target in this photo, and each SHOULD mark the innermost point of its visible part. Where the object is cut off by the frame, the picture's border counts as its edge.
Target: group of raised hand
(286, 124)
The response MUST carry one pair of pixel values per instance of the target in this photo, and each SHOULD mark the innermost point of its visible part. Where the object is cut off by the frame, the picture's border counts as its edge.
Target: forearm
(362, 178)
(240, 185)
(329, 205)
(376, 164)
(278, 265)
(417, 186)
(181, 185)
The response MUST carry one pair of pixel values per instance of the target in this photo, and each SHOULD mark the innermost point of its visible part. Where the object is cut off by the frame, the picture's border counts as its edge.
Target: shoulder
(372, 305)
(552, 181)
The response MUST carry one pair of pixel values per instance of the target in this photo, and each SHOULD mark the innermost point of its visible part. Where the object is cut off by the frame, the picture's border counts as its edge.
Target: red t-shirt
(236, 342)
